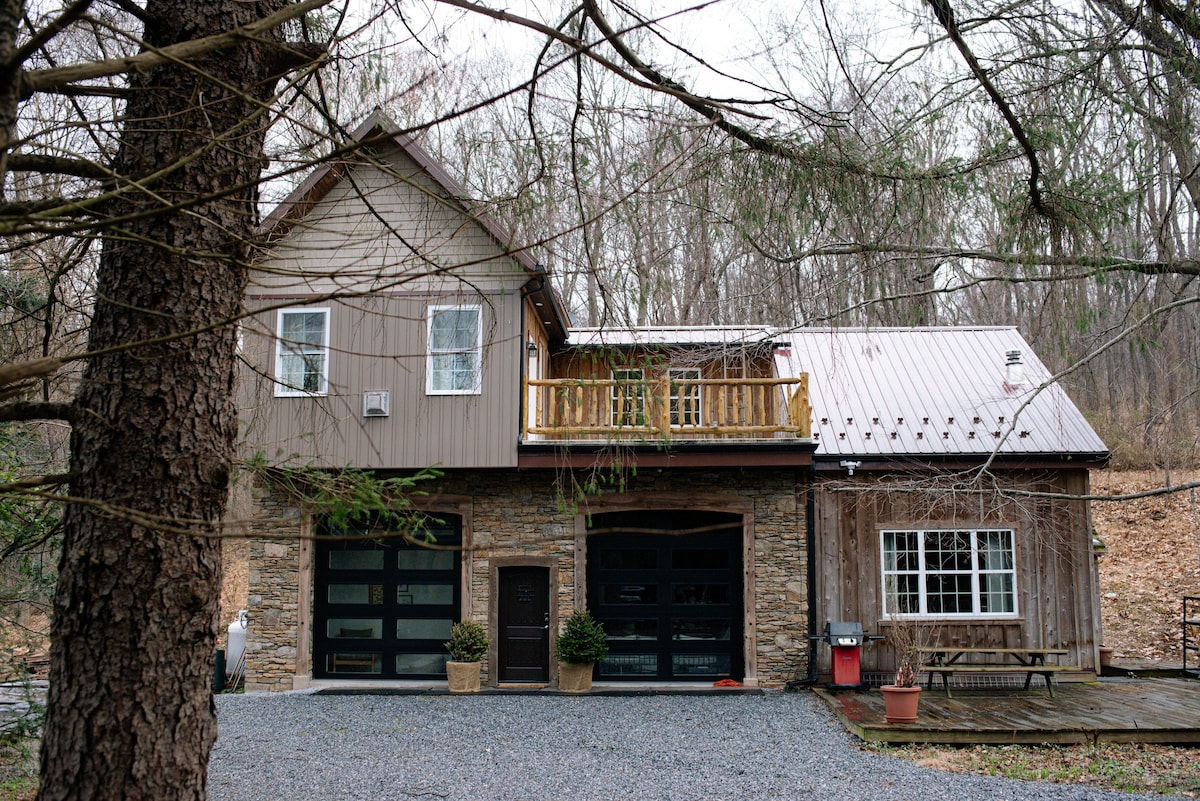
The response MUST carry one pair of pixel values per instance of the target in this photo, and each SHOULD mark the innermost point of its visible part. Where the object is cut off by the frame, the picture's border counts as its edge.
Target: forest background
(836, 164)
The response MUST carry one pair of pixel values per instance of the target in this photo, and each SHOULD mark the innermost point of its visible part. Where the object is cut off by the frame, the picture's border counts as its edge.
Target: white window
(685, 397)
(949, 573)
(302, 353)
(455, 360)
(629, 398)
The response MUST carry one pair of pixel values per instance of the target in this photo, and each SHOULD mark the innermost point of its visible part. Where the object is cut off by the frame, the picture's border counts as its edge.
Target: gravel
(291, 746)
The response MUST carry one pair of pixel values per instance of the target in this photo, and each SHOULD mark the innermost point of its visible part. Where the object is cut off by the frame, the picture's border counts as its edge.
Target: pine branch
(945, 16)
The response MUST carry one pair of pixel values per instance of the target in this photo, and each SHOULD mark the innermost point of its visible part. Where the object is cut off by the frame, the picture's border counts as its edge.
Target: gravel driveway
(298, 746)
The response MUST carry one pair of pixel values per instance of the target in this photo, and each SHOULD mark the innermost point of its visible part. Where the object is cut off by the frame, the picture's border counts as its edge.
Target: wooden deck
(1157, 710)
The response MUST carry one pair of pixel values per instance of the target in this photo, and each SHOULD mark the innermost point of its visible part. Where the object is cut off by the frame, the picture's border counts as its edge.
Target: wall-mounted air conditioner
(376, 403)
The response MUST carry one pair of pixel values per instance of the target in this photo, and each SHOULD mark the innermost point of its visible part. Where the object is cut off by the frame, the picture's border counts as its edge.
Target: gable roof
(896, 392)
(379, 129)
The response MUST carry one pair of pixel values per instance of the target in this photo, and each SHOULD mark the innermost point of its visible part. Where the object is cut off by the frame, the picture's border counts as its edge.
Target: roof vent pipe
(1014, 369)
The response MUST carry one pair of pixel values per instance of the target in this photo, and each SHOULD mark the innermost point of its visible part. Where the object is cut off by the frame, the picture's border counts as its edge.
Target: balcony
(667, 409)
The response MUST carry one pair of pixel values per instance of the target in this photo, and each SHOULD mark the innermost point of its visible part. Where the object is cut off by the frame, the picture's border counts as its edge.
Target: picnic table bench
(1031, 661)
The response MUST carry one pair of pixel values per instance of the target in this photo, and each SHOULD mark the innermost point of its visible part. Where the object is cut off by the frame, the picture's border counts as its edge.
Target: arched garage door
(667, 586)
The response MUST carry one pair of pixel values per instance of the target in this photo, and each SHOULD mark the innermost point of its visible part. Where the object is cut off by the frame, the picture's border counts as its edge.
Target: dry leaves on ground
(1151, 560)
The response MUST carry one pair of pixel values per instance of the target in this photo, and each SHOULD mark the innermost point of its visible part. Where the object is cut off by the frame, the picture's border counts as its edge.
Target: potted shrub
(579, 647)
(901, 698)
(467, 646)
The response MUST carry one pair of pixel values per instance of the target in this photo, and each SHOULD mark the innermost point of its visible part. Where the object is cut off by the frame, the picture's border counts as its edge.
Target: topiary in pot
(468, 642)
(581, 644)
(467, 646)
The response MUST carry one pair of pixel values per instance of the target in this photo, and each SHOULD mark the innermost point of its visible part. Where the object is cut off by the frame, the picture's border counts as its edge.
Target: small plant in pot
(467, 646)
(579, 647)
(901, 698)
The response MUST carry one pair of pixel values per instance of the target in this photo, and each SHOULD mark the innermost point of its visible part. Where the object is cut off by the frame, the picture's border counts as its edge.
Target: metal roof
(932, 392)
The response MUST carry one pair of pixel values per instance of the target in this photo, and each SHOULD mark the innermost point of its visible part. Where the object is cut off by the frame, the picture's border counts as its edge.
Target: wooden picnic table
(1031, 661)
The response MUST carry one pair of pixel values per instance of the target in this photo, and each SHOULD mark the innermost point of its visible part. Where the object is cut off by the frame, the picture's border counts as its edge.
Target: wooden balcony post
(528, 411)
(662, 405)
(799, 409)
(538, 407)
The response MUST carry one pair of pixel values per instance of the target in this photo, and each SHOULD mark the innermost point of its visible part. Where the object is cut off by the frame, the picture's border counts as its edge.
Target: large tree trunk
(134, 629)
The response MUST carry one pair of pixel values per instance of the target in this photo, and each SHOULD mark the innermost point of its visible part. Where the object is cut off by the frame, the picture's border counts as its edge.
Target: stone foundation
(533, 514)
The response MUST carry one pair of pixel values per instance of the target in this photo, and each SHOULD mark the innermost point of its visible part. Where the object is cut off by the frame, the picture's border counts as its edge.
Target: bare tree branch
(57, 78)
(27, 410)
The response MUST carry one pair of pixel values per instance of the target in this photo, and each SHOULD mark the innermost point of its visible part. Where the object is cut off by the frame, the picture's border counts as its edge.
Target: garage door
(383, 607)
(670, 602)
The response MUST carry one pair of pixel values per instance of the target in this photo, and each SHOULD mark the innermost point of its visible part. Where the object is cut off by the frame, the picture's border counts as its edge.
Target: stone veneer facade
(515, 517)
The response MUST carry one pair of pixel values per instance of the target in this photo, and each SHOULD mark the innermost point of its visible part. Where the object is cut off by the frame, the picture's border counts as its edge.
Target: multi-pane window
(949, 573)
(302, 352)
(455, 360)
(629, 398)
(685, 397)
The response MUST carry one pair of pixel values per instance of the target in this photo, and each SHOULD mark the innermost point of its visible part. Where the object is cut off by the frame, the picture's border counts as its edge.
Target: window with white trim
(629, 398)
(949, 573)
(685, 397)
(455, 359)
(302, 353)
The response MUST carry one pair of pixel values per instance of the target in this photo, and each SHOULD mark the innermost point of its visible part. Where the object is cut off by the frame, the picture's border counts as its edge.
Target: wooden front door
(524, 624)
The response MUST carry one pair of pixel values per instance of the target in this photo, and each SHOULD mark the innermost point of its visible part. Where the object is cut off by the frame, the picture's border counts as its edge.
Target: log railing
(668, 408)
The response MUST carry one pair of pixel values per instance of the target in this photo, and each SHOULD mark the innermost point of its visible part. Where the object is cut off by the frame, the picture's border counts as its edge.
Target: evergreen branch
(945, 16)
(1092, 265)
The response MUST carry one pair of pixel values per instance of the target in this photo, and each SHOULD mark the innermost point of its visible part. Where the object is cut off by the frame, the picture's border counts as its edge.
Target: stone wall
(536, 514)
(273, 606)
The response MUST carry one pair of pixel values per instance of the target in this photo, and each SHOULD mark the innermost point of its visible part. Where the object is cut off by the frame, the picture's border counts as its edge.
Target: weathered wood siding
(1055, 573)
(379, 343)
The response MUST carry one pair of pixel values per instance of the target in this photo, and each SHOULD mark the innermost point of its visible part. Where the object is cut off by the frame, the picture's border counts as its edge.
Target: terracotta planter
(573, 678)
(900, 703)
(1106, 655)
(463, 677)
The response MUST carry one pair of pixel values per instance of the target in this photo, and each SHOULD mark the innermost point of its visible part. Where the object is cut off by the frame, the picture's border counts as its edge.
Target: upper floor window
(302, 353)
(949, 573)
(685, 397)
(455, 360)
(629, 398)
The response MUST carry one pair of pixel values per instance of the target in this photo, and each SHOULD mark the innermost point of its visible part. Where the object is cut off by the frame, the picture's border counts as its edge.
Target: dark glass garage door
(384, 608)
(671, 602)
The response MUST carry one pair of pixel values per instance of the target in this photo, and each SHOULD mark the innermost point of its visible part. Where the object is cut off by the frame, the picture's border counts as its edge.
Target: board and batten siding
(380, 343)
(1055, 571)
(385, 230)
(378, 249)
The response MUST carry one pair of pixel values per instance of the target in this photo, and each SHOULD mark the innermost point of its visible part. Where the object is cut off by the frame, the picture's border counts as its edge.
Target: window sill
(990, 620)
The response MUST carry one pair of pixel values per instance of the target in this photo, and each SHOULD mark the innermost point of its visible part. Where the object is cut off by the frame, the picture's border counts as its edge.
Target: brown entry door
(524, 618)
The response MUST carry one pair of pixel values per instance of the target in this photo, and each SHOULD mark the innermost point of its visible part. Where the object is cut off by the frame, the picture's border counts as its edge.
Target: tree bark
(134, 629)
